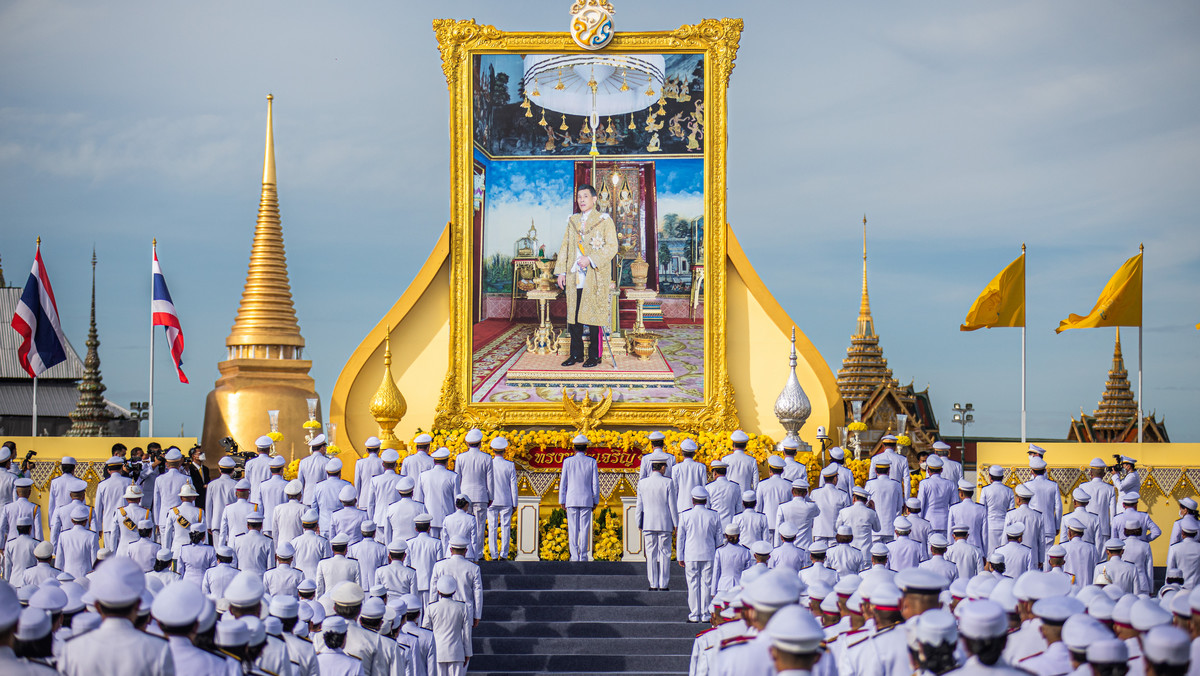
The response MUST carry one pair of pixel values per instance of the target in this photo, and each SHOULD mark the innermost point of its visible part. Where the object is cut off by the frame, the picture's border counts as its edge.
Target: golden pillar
(263, 369)
(388, 406)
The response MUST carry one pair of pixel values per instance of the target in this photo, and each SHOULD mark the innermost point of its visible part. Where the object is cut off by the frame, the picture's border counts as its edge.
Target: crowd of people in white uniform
(165, 574)
(162, 574)
(853, 580)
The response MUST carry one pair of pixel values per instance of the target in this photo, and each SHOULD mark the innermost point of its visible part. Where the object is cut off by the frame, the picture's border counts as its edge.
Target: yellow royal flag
(1002, 302)
(1120, 303)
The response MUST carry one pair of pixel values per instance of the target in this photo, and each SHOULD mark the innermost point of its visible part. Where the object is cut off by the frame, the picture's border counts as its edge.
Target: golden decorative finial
(267, 316)
(864, 308)
(269, 153)
(1142, 248)
(388, 406)
(154, 242)
(39, 241)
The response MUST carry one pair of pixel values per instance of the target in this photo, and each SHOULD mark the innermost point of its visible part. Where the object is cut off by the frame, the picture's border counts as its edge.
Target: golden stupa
(263, 369)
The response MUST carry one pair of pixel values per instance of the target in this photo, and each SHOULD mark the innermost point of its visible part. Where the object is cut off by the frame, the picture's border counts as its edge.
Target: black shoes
(572, 361)
(590, 363)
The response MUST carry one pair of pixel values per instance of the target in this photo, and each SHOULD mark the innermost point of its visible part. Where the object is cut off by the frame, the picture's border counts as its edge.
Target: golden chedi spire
(388, 406)
(263, 369)
(1117, 408)
(864, 367)
(90, 417)
(266, 326)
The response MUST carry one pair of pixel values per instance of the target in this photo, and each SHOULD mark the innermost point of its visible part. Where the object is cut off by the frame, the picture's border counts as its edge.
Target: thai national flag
(163, 311)
(36, 319)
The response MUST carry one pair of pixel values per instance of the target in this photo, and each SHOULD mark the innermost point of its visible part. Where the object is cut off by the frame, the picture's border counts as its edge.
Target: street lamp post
(963, 416)
(139, 411)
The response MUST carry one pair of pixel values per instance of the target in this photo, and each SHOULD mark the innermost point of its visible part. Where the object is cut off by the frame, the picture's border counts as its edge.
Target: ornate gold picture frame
(462, 43)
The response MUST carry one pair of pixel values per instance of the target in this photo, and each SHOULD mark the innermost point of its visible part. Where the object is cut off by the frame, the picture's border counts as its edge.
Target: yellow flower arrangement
(606, 536)
(860, 469)
(554, 537)
(275, 436)
(904, 440)
(292, 470)
(312, 425)
(332, 451)
(521, 443)
(857, 427)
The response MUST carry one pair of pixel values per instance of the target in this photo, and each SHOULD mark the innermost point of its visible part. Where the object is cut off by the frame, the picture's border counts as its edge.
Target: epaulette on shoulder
(735, 640)
(225, 653)
(705, 632)
(1029, 657)
(858, 640)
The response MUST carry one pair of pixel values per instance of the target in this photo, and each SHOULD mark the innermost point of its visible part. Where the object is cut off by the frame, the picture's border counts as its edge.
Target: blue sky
(961, 130)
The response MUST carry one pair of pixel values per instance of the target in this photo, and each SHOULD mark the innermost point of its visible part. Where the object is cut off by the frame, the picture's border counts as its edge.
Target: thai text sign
(612, 459)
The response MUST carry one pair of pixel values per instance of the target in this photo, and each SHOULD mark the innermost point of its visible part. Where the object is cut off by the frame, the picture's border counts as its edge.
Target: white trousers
(501, 516)
(579, 533)
(451, 669)
(479, 510)
(658, 557)
(699, 583)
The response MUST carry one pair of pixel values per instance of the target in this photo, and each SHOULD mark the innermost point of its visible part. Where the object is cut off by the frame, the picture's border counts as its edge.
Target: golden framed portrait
(582, 264)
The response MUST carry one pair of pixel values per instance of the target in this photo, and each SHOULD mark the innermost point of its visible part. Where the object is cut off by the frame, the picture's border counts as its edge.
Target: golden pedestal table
(544, 340)
(640, 342)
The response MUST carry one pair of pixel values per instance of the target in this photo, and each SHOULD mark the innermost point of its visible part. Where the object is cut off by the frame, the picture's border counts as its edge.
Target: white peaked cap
(793, 629)
(178, 604)
(982, 619)
(372, 442)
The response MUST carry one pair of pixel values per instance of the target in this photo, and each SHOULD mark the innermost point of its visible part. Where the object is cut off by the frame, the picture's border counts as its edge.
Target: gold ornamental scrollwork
(458, 42)
(722, 37)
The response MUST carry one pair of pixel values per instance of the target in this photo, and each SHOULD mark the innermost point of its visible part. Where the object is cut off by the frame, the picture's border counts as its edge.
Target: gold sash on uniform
(129, 523)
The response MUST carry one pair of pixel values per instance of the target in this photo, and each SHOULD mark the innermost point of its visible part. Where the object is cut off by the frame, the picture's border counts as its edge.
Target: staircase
(594, 617)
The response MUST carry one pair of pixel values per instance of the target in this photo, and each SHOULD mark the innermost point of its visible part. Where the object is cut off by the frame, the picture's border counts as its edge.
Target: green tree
(500, 89)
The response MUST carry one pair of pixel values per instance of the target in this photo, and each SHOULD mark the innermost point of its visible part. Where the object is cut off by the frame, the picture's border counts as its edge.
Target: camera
(239, 457)
(1116, 467)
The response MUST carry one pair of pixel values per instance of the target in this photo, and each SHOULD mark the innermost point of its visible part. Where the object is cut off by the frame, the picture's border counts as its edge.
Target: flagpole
(150, 418)
(1023, 269)
(34, 434)
(1142, 252)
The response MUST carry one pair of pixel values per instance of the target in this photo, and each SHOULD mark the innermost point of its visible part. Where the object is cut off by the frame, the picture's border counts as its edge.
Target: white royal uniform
(579, 492)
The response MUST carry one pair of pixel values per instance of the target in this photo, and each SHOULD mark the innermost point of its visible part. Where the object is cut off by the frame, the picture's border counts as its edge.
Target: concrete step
(585, 597)
(598, 645)
(572, 582)
(557, 664)
(566, 568)
(579, 629)
(586, 613)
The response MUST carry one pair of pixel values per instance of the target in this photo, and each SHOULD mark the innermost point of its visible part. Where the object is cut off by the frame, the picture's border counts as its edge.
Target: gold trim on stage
(459, 41)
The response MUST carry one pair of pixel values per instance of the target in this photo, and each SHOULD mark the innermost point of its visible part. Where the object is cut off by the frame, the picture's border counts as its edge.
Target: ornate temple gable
(881, 407)
(1115, 417)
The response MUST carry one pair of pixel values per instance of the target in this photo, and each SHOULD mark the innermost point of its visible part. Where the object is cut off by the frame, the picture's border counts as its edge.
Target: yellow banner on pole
(1002, 302)
(1120, 303)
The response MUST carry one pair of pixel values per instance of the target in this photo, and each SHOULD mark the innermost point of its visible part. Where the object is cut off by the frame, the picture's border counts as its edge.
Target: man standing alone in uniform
(579, 492)
(583, 272)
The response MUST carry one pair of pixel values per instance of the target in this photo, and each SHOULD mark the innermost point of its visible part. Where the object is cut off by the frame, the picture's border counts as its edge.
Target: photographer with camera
(1125, 476)
(149, 466)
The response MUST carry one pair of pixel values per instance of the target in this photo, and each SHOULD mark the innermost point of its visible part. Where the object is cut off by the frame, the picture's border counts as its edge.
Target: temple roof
(1115, 417)
(267, 315)
(864, 367)
(1118, 407)
(91, 415)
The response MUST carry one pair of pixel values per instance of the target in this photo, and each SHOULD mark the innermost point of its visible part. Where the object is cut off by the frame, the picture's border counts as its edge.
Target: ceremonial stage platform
(503, 366)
